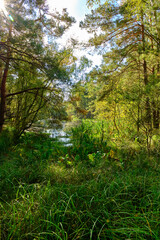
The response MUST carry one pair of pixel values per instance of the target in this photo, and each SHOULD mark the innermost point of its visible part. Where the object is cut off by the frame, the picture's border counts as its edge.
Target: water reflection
(60, 134)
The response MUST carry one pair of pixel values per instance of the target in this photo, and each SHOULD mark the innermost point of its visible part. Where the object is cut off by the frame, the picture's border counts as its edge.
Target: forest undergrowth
(94, 189)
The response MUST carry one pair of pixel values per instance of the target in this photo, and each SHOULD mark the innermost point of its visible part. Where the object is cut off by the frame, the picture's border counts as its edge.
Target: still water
(60, 134)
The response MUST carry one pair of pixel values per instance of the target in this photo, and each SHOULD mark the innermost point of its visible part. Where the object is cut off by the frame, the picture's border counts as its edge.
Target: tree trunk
(156, 116)
(3, 84)
(155, 109)
(148, 117)
(144, 61)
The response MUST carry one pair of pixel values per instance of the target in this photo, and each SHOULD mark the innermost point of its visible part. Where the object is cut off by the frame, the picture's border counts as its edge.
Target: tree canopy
(124, 88)
(31, 68)
(126, 85)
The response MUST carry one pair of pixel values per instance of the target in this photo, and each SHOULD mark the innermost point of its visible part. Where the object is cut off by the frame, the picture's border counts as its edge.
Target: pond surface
(60, 134)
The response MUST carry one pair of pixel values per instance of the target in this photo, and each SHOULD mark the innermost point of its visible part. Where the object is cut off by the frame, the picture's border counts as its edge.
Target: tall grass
(90, 138)
(48, 193)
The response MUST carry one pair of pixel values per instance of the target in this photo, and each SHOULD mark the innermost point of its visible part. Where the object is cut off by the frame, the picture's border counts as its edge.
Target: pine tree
(28, 65)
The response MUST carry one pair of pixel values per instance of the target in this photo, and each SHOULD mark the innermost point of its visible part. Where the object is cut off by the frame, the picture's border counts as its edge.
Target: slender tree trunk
(144, 60)
(145, 74)
(3, 84)
(139, 98)
(155, 109)
(156, 116)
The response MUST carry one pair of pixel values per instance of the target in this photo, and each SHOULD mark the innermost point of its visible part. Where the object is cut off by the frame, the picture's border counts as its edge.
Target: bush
(6, 140)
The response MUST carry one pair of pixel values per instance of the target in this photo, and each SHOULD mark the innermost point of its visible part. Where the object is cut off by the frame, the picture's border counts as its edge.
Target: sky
(77, 9)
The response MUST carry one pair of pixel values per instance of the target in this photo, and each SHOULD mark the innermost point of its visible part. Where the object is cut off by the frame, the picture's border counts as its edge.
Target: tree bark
(148, 117)
(156, 115)
(3, 83)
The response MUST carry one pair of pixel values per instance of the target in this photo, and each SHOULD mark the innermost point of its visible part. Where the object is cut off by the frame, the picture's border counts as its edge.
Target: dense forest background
(125, 88)
(105, 183)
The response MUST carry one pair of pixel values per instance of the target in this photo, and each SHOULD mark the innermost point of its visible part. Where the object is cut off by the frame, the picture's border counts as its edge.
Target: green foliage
(106, 185)
(6, 140)
(31, 69)
(88, 140)
(44, 198)
(124, 88)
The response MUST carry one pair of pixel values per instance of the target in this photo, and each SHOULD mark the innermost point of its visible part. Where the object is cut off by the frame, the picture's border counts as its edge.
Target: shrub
(6, 140)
